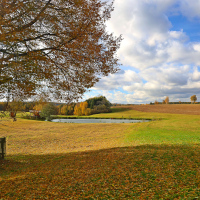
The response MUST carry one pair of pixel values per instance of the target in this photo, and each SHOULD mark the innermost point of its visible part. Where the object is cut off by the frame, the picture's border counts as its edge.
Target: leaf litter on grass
(142, 172)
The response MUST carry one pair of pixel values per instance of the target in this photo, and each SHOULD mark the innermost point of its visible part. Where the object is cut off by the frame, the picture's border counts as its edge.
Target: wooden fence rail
(2, 147)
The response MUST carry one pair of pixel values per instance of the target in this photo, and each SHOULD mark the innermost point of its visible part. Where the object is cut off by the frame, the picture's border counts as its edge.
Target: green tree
(99, 104)
(48, 110)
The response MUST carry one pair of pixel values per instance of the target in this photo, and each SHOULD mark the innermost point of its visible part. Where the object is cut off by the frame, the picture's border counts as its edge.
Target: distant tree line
(91, 106)
(193, 99)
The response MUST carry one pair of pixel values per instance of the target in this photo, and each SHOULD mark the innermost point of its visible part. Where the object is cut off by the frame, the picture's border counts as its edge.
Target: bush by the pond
(48, 110)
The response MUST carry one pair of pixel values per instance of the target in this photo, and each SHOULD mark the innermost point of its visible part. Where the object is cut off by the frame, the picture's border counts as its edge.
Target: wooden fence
(2, 147)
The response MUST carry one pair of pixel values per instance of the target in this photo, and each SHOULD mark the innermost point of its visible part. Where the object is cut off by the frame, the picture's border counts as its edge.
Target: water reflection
(98, 120)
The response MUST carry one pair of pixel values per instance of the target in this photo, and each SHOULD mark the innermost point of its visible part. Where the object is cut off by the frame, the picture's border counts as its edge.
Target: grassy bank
(151, 160)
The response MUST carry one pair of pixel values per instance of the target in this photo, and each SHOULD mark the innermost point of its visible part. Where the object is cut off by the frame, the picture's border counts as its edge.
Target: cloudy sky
(160, 52)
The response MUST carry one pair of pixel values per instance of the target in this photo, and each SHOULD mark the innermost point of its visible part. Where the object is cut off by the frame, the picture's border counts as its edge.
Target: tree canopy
(193, 98)
(60, 47)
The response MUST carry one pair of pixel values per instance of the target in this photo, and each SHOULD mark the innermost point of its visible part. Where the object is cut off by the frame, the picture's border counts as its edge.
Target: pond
(98, 120)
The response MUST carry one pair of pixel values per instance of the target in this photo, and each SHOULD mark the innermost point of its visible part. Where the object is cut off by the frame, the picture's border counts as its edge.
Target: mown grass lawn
(152, 160)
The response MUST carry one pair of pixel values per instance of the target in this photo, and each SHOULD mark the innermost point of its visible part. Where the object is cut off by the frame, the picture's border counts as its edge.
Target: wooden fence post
(2, 147)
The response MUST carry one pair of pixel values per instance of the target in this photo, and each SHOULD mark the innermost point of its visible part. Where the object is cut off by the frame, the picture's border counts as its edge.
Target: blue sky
(160, 52)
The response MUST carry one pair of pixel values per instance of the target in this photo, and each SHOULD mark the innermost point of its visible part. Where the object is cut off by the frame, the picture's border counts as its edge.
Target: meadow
(152, 160)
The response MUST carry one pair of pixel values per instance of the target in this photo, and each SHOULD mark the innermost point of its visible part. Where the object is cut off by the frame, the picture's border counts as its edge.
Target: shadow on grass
(141, 172)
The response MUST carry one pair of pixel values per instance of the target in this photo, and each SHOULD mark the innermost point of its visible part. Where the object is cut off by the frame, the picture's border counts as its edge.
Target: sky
(159, 54)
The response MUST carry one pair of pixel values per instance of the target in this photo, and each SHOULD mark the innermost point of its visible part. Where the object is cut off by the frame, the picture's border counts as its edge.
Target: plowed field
(190, 109)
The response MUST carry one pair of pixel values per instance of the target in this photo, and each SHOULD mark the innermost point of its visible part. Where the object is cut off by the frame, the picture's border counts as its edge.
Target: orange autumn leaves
(82, 109)
(58, 47)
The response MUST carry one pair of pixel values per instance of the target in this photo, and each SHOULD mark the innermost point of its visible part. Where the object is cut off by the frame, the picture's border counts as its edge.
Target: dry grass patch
(36, 137)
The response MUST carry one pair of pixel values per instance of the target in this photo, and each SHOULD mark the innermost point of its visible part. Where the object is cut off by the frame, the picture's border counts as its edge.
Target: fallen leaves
(142, 172)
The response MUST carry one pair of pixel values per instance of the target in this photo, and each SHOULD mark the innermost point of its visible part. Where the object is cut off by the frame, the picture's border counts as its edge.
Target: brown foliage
(193, 98)
(60, 44)
(156, 102)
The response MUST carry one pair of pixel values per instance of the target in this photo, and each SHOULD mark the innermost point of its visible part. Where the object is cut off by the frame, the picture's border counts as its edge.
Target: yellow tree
(63, 110)
(167, 100)
(67, 109)
(83, 106)
(59, 46)
(193, 98)
(77, 110)
(82, 109)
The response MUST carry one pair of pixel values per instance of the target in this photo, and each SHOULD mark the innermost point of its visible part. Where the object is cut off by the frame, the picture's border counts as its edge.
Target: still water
(98, 120)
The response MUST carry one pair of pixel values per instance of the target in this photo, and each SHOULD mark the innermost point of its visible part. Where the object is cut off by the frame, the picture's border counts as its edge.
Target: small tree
(48, 110)
(156, 102)
(13, 107)
(193, 98)
(167, 100)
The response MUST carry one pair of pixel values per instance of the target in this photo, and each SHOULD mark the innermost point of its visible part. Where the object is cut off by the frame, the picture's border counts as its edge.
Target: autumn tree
(193, 98)
(167, 100)
(82, 109)
(13, 107)
(60, 47)
(156, 102)
(77, 110)
(67, 109)
(83, 106)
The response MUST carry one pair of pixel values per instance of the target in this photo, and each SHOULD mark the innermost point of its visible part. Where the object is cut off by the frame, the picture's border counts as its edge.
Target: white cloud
(164, 62)
(196, 75)
(115, 81)
(148, 40)
(190, 8)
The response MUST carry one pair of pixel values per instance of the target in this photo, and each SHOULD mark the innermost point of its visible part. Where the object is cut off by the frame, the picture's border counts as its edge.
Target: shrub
(48, 110)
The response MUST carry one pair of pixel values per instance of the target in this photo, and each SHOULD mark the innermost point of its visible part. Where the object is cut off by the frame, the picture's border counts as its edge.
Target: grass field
(152, 160)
